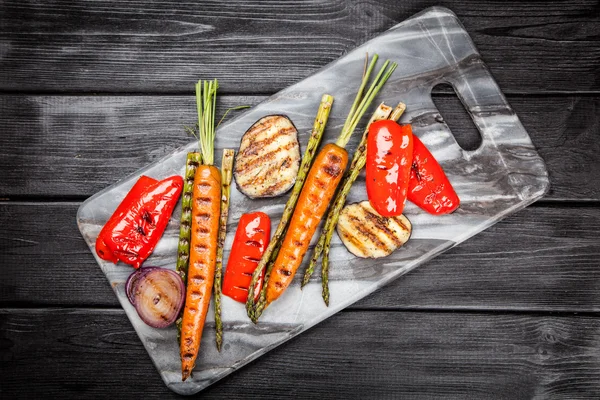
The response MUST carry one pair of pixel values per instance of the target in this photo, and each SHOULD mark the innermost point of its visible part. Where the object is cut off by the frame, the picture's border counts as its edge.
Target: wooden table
(93, 91)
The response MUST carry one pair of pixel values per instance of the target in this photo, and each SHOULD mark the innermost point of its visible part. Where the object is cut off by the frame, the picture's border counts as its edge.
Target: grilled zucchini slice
(367, 234)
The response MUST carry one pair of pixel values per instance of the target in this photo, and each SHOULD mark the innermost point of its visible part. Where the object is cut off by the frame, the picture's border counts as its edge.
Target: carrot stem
(206, 97)
(228, 110)
(365, 78)
(356, 112)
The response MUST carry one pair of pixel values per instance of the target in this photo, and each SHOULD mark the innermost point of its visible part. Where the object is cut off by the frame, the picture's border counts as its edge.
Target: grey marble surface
(502, 176)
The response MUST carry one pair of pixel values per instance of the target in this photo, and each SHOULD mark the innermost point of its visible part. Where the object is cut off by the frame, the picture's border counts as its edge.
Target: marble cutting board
(504, 175)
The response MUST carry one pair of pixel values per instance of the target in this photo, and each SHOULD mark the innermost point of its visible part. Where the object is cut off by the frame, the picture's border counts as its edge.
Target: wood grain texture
(63, 146)
(43, 138)
(542, 258)
(164, 46)
(83, 353)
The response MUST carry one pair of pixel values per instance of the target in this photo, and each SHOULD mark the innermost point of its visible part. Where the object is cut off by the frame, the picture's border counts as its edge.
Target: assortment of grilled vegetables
(268, 164)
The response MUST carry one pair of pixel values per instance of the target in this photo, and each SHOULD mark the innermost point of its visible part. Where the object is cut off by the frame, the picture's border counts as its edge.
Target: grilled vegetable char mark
(365, 233)
(256, 146)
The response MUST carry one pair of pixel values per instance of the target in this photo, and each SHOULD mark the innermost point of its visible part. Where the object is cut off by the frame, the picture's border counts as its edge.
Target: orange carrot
(321, 182)
(206, 208)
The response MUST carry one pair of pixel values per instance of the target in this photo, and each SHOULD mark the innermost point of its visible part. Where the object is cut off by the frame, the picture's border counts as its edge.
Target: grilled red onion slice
(132, 281)
(157, 294)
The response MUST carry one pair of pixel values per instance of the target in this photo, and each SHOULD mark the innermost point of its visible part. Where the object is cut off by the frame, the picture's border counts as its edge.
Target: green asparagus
(226, 175)
(183, 249)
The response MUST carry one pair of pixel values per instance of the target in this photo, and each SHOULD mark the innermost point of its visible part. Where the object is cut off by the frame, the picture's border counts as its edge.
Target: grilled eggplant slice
(269, 158)
(367, 234)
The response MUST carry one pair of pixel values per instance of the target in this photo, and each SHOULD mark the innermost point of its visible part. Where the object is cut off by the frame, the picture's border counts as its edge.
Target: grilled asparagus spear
(226, 175)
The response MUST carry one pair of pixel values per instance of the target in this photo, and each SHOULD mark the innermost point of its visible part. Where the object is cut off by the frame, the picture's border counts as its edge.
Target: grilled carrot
(323, 178)
(318, 190)
(206, 209)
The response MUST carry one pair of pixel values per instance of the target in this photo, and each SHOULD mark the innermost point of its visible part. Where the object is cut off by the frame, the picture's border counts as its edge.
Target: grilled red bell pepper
(135, 228)
(389, 159)
(429, 187)
(134, 193)
(251, 239)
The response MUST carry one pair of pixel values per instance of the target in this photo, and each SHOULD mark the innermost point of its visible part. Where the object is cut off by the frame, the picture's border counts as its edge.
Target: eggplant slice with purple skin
(268, 159)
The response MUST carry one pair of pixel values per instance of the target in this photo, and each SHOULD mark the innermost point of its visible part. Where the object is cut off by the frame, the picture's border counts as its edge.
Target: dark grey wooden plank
(77, 145)
(542, 258)
(95, 353)
(161, 46)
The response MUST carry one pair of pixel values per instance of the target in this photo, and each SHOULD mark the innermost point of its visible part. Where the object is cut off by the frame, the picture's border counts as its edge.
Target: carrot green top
(206, 97)
(362, 103)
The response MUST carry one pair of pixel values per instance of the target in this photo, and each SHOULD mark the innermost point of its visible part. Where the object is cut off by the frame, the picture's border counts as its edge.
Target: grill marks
(201, 247)
(382, 224)
(265, 157)
(203, 200)
(403, 222)
(201, 270)
(257, 144)
(203, 185)
(269, 158)
(365, 233)
(333, 165)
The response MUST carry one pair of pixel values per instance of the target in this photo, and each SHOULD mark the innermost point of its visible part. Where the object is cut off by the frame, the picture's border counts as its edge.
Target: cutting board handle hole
(452, 112)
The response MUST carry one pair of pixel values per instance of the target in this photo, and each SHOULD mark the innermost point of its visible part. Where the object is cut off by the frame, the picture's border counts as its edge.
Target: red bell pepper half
(138, 223)
(429, 187)
(388, 165)
(134, 193)
(251, 239)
